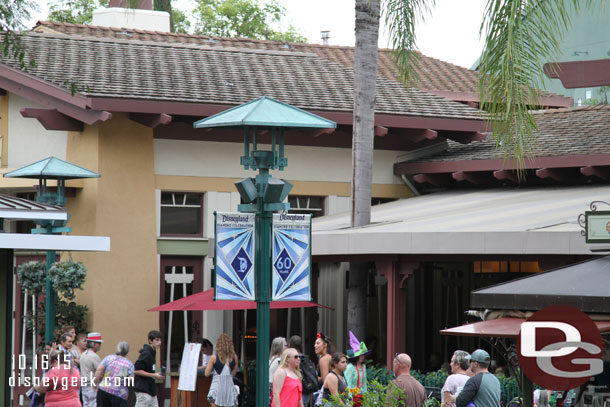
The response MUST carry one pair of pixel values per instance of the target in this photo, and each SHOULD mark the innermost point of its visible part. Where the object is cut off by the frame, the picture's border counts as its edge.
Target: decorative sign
(291, 256)
(234, 256)
(188, 366)
(597, 226)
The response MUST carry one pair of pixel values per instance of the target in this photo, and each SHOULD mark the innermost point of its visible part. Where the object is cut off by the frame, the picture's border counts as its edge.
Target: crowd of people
(343, 376)
(77, 376)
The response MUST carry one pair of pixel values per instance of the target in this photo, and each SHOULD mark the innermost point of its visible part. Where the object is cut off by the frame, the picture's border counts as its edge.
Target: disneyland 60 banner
(234, 256)
(291, 257)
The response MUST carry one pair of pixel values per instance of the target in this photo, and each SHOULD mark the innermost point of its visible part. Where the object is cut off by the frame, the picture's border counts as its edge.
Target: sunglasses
(296, 356)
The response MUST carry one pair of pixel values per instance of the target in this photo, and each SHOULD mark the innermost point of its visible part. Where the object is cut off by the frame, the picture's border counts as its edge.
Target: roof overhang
(15, 208)
(501, 328)
(54, 242)
(580, 74)
(579, 285)
(520, 222)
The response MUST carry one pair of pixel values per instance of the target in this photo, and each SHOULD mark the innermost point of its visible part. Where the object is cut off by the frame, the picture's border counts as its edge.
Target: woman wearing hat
(355, 373)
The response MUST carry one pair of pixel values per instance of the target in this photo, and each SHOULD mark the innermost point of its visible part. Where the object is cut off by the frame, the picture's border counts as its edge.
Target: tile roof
(561, 132)
(113, 68)
(433, 75)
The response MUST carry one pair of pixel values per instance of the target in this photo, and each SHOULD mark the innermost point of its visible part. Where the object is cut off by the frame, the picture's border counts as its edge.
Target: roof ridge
(204, 36)
(171, 44)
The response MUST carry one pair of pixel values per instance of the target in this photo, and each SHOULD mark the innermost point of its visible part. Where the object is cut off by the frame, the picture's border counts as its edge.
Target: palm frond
(520, 36)
(400, 18)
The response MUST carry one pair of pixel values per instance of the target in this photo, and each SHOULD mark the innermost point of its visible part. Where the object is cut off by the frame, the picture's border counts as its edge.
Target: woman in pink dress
(61, 383)
(287, 387)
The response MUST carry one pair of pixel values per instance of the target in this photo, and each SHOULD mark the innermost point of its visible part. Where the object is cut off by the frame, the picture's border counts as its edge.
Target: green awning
(52, 168)
(266, 112)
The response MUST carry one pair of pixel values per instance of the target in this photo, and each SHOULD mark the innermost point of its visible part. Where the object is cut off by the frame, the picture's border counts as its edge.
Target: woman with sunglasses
(324, 348)
(334, 385)
(287, 387)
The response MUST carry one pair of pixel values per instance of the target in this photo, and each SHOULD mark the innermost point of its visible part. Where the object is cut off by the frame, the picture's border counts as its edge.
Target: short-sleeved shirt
(416, 393)
(64, 383)
(454, 384)
(89, 361)
(116, 370)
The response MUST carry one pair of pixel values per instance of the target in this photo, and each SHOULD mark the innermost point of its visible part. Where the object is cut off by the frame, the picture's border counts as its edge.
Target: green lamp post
(263, 196)
(44, 170)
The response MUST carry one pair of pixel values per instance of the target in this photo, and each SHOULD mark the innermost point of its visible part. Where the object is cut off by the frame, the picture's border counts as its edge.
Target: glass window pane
(193, 199)
(177, 220)
(166, 198)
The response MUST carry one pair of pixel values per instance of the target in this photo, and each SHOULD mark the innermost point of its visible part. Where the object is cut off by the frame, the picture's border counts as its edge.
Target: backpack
(310, 376)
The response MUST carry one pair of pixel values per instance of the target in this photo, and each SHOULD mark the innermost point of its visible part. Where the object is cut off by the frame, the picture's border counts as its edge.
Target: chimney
(325, 37)
(143, 17)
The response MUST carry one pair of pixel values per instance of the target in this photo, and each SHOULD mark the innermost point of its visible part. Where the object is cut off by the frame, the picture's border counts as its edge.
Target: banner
(291, 257)
(234, 256)
(188, 367)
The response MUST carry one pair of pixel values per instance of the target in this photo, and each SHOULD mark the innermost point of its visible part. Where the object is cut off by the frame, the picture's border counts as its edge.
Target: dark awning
(501, 328)
(583, 286)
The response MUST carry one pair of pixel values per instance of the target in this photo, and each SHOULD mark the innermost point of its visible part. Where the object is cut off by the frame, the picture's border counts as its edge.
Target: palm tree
(519, 35)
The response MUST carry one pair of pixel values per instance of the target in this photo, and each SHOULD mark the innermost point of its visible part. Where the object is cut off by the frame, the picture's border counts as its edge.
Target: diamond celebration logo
(284, 265)
(241, 264)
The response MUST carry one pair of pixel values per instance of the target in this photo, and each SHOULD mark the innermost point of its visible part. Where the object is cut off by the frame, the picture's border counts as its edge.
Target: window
(313, 205)
(181, 214)
(506, 267)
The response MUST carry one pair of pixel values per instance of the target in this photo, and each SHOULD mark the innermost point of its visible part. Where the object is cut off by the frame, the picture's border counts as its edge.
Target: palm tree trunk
(365, 74)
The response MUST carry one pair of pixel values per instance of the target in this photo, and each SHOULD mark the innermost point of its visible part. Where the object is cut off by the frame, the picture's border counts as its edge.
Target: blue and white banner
(234, 256)
(291, 257)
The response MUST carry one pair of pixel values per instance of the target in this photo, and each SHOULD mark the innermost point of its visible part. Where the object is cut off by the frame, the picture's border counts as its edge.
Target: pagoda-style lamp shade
(265, 114)
(52, 168)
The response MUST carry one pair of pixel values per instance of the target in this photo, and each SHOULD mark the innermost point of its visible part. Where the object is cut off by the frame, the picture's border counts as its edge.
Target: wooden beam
(504, 175)
(475, 178)
(438, 180)
(557, 174)
(321, 132)
(151, 120)
(51, 119)
(380, 131)
(602, 172)
(419, 135)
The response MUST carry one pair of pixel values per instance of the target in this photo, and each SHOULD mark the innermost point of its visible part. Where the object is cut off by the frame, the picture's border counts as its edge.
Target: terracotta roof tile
(109, 67)
(433, 75)
(561, 132)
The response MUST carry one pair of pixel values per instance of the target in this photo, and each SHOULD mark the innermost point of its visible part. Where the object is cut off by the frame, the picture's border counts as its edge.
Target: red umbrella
(204, 301)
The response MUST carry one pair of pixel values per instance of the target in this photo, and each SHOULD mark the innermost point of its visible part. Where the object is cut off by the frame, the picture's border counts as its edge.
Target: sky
(450, 32)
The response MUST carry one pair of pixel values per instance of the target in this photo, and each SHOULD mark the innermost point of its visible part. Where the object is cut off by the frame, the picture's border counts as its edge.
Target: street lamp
(264, 195)
(44, 170)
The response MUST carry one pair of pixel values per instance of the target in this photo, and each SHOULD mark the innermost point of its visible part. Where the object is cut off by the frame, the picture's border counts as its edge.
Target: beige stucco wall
(29, 141)
(215, 159)
(122, 284)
